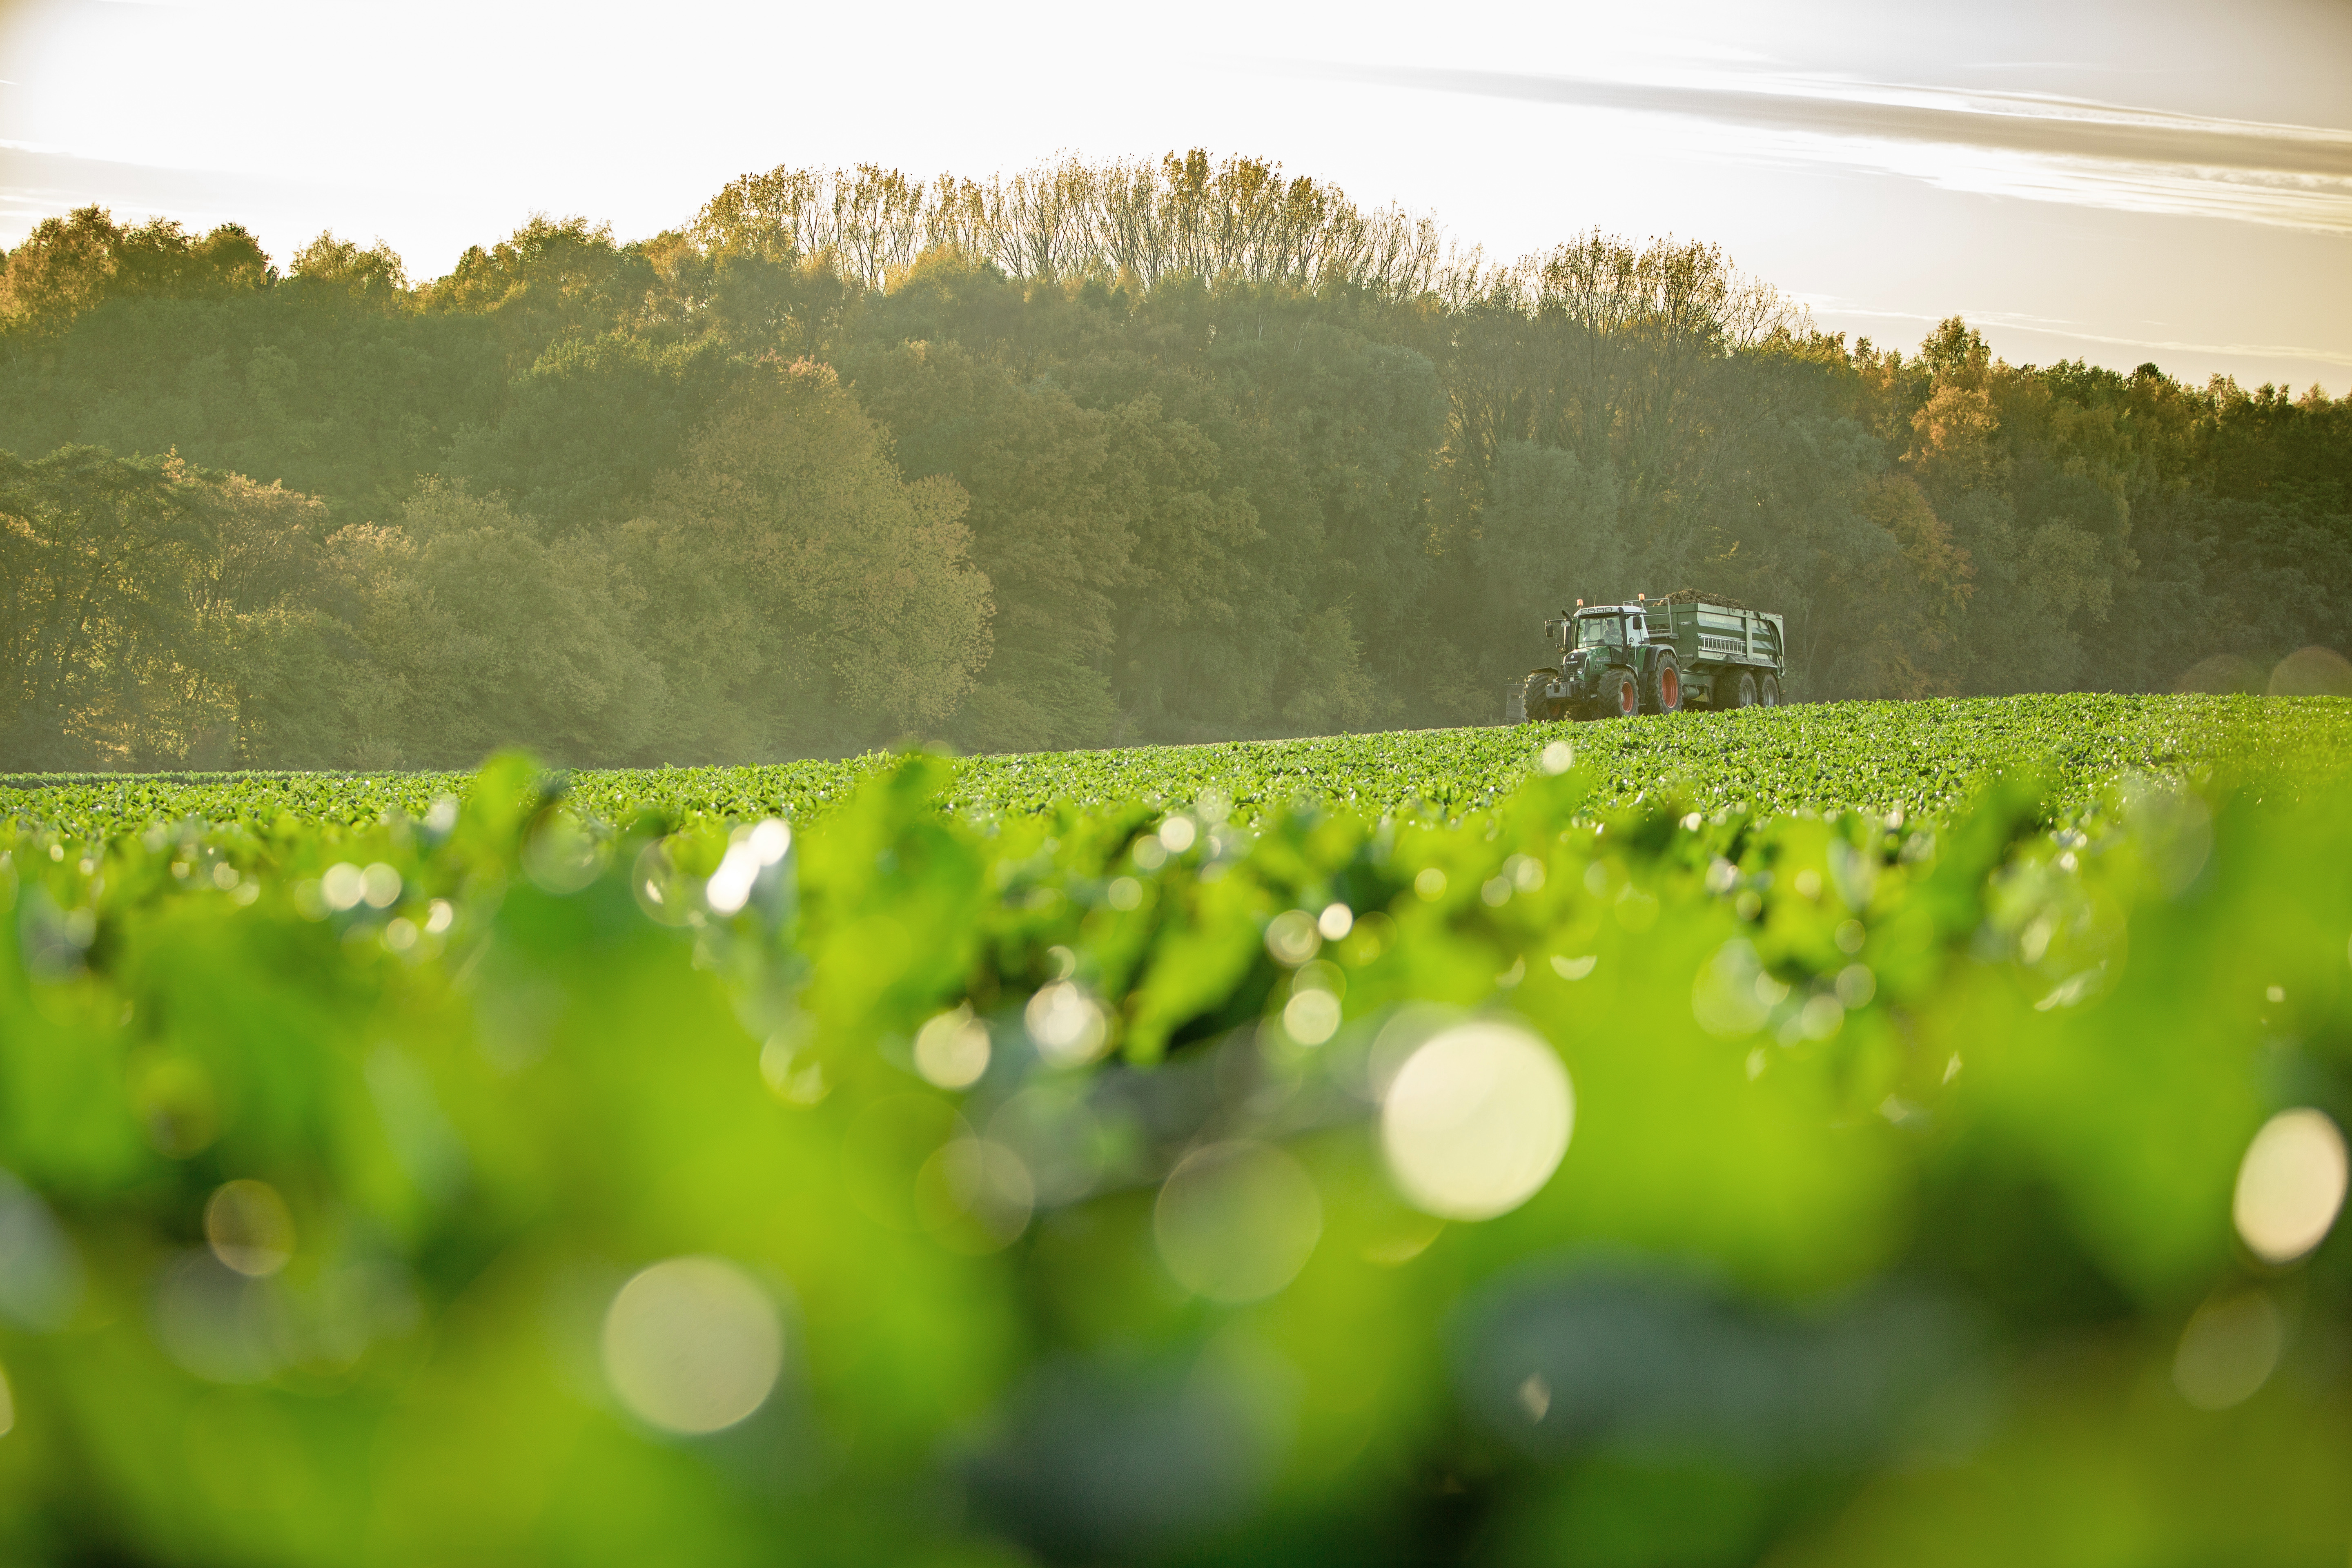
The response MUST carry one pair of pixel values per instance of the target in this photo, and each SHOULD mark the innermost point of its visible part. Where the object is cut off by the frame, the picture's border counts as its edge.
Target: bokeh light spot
(380, 886)
(1238, 1221)
(1476, 1121)
(792, 1075)
(1067, 1025)
(340, 886)
(1821, 1018)
(729, 887)
(2290, 1186)
(2311, 672)
(1312, 1017)
(562, 855)
(749, 851)
(220, 1323)
(1293, 938)
(770, 840)
(952, 1049)
(250, 1228)
(692, 1345)
(2228, 1351)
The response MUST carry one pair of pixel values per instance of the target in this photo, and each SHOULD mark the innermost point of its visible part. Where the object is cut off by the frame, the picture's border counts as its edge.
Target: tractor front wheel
(1747, 698)
(1619, 697)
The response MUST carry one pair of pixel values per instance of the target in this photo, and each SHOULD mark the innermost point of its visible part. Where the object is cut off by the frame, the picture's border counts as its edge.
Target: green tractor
(1658, 656)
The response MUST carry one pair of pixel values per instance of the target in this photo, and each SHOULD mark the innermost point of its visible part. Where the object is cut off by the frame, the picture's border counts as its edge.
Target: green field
(1384, 1149)
(1920, 757)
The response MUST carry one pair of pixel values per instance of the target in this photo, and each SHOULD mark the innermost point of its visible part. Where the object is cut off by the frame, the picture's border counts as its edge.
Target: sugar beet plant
(1526, 1184)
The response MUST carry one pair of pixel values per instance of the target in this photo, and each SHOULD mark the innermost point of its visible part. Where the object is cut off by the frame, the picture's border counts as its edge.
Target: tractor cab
(1602, 627)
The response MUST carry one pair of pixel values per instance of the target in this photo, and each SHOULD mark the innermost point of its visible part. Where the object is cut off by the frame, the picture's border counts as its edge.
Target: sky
(2157, 180)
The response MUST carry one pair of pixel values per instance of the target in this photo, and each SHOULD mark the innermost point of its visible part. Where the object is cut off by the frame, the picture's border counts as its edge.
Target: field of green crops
(1919, 757)
(1839, 1135)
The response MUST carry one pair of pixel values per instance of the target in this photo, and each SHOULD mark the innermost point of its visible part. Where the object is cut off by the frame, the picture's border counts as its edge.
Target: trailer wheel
(1768, 693)
(1665, 685)
(1747, 698)
(1620, 697)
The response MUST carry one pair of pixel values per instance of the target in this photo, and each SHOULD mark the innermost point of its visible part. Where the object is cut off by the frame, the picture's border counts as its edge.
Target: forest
(1095, 454)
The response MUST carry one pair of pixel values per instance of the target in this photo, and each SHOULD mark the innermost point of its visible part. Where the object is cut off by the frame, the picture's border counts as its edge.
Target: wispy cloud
(1827, 306)
(37, 182)
(2037, 147)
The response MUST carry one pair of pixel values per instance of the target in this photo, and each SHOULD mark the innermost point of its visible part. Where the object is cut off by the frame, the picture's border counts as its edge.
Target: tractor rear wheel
(1663, 690)
(1768, 693)
(1538, 707)
(1619, 697)
(1747, 698)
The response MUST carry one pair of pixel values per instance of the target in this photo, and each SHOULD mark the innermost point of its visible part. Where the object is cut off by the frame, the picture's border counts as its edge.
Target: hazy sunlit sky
(2116, 180)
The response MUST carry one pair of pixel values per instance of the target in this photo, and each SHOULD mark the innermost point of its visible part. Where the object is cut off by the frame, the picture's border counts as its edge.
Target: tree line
(1093, 453)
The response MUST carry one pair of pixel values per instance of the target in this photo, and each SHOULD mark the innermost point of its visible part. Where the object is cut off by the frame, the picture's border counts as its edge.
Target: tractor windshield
(1599, 631)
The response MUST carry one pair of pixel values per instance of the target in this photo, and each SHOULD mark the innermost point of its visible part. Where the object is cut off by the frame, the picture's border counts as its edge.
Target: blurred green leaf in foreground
(1131, 1184)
